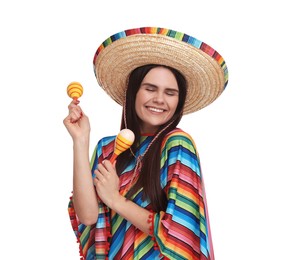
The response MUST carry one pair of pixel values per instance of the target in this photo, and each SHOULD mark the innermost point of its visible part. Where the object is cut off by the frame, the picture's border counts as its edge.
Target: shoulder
(178, 137)
(105, 145)
(106, 140)
(178, 133)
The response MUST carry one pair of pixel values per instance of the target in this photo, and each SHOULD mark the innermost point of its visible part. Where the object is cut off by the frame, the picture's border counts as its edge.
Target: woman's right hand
(77, 123)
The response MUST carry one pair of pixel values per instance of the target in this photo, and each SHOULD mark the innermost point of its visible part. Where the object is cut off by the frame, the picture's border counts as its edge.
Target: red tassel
(155, 245)
(151, 221)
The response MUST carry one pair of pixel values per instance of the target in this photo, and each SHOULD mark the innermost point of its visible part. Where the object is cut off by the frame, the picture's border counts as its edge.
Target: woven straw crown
(204, 68)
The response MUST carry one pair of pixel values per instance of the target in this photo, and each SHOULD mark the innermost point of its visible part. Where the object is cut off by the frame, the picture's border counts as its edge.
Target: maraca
(75, 90)
(123, 141)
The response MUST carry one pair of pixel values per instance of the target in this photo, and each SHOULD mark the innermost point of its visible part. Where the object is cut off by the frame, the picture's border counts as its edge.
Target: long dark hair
(149, 177)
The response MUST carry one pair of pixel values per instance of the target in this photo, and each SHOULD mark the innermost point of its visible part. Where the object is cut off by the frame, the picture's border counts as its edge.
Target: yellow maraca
(75, 90)
(123, 141)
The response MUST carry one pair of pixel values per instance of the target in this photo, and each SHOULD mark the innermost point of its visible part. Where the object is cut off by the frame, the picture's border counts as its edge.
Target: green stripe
(85, 235)
(93, 157)
(184, 202)
(144, 247)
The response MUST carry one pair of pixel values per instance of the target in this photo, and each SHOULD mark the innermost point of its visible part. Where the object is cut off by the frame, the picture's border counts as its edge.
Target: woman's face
(156, 99)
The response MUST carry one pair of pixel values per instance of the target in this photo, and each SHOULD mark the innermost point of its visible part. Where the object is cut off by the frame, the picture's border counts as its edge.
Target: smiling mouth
(154, 109)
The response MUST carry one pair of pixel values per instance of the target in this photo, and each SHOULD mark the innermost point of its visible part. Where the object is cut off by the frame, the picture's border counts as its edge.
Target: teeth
(155, 109)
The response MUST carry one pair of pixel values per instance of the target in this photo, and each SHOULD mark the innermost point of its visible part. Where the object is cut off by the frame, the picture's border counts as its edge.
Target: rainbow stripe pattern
(169, 33)
(181, 232)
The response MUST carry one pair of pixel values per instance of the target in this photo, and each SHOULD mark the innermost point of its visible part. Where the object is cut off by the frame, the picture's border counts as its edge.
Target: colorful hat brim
(204, 68)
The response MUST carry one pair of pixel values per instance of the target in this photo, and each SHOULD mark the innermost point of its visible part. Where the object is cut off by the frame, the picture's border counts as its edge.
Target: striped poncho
(181, 232)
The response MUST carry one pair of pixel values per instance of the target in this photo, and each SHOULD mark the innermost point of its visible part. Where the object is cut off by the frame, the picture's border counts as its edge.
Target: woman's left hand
(107, 183)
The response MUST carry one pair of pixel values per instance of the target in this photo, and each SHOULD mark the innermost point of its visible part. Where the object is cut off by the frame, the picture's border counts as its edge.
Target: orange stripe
(124, 140)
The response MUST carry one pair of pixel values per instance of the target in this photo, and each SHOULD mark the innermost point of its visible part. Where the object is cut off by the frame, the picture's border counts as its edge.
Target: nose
(158, 97)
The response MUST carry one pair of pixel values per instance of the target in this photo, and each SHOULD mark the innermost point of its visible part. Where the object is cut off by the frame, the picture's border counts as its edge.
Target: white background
(241, 137)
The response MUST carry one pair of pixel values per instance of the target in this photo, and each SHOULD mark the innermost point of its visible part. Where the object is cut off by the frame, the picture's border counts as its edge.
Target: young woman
(150, 204)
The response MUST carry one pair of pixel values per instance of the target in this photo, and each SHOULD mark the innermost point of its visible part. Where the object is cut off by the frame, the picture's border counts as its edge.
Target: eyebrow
(155, 86)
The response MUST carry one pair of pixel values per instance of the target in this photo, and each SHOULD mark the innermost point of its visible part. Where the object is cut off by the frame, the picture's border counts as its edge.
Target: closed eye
(150, 88)
(168, 91)
(172, 92)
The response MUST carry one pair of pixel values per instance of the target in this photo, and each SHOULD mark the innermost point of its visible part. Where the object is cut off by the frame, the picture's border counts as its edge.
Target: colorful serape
(181, 232)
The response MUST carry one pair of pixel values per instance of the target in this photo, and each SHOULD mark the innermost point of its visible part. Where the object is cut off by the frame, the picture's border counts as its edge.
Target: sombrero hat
(204, 68)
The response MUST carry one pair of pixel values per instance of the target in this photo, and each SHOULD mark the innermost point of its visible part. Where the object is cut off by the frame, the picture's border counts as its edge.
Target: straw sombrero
(204, 68)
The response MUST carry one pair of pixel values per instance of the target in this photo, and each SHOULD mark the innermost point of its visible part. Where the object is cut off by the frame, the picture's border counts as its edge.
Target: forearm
(84, 194)
(135, 214)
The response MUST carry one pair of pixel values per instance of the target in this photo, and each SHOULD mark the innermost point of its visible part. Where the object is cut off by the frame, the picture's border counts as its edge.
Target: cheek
(141, 98)
(174, 104)
(138, 103)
